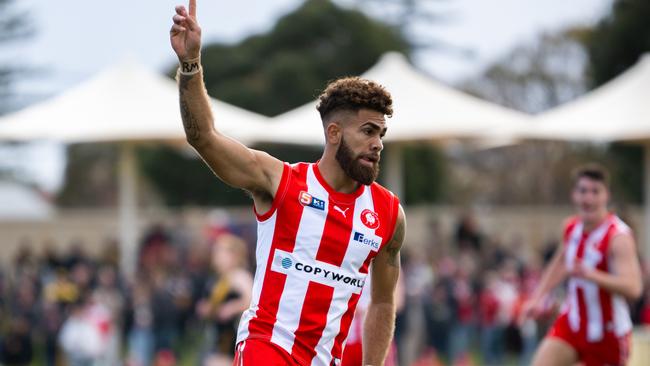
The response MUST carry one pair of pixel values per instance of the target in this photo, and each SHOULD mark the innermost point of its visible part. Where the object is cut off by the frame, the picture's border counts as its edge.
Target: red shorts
(253, 352)
(610, 351)
(352, 354)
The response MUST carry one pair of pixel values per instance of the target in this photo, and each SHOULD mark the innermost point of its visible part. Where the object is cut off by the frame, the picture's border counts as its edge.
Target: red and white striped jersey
(314, 247)
(593, 311)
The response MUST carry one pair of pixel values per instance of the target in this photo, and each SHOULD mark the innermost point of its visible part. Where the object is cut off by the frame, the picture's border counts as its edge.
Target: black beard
(351, 166)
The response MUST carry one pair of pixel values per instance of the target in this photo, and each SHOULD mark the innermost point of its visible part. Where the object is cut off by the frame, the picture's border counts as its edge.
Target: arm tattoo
(189, 121)
(395, 244)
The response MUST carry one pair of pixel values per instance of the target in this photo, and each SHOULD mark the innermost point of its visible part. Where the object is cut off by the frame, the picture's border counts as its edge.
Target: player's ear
(333, 133)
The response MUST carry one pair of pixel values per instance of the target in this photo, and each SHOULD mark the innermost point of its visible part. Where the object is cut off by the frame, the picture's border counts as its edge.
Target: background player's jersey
(313, 252)
(591, 310)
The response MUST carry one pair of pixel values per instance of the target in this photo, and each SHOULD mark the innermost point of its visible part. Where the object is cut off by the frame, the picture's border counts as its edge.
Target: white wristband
(190, 67)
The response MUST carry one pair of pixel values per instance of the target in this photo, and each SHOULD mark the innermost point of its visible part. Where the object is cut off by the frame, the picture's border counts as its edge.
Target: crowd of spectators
(71, 308)
(182, 303)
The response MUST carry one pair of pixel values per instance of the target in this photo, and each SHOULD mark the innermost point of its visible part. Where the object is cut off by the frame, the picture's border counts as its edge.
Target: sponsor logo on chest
(307, 200)
(370, 240)
(317, 271)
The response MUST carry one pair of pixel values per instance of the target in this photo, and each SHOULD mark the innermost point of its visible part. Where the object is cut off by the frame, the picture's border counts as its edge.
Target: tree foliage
(537, 76)
(14, 26)
(410, 16)
(288, 66)
(617, 43)
(619, 40)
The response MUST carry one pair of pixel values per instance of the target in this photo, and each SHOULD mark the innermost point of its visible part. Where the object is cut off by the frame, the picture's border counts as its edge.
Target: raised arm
(234, 163)
(379, 324)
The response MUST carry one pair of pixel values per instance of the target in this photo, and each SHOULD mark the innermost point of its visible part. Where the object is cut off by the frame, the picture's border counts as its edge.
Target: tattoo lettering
(190, 67)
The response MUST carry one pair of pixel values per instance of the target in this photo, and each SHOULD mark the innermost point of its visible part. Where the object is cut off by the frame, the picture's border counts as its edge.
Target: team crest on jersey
(370, 219)
(308, 200)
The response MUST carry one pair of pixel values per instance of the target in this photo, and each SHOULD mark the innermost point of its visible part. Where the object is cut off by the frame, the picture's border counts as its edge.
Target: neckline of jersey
(334, 194)
(606, 220)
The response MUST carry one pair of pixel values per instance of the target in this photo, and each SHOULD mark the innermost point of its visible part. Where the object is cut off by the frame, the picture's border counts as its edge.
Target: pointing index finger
(192, 7)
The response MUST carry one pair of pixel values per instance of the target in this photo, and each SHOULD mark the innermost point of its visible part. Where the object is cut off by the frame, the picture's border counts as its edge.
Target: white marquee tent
(424, 109)
(617, 111)
(126, 104)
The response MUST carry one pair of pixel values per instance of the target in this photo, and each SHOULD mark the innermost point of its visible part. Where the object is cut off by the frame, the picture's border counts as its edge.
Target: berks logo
(359, 237)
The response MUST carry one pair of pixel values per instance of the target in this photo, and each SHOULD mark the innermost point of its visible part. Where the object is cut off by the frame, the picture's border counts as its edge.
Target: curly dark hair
(353, 94)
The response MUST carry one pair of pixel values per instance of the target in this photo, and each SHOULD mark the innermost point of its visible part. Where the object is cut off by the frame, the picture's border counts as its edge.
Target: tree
(411, 17)
(537, 76)
(618, 41)
(14, 26)
(288, 66)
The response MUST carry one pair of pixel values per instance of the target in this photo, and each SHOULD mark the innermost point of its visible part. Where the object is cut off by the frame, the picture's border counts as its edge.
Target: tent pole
(646, 199)
(395, 170)
(128, 224)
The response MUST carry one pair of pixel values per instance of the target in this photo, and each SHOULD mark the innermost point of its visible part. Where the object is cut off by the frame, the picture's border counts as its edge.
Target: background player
(598, 255)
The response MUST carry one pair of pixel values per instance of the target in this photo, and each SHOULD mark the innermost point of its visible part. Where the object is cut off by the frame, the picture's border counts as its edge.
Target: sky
(76, 39)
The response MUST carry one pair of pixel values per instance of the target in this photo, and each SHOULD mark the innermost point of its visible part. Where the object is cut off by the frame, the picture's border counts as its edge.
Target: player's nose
(377, 145)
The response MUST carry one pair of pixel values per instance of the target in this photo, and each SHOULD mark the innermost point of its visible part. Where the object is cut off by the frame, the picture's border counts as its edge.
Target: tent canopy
(423, 110)
(617, 111)
(124, 103)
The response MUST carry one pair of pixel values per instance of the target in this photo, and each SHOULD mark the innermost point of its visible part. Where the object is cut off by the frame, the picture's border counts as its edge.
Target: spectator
(84, 333)
(16, 347)
(468, 236)
(109, 296)
(141, 337)
(491, 329)
(229, 296)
